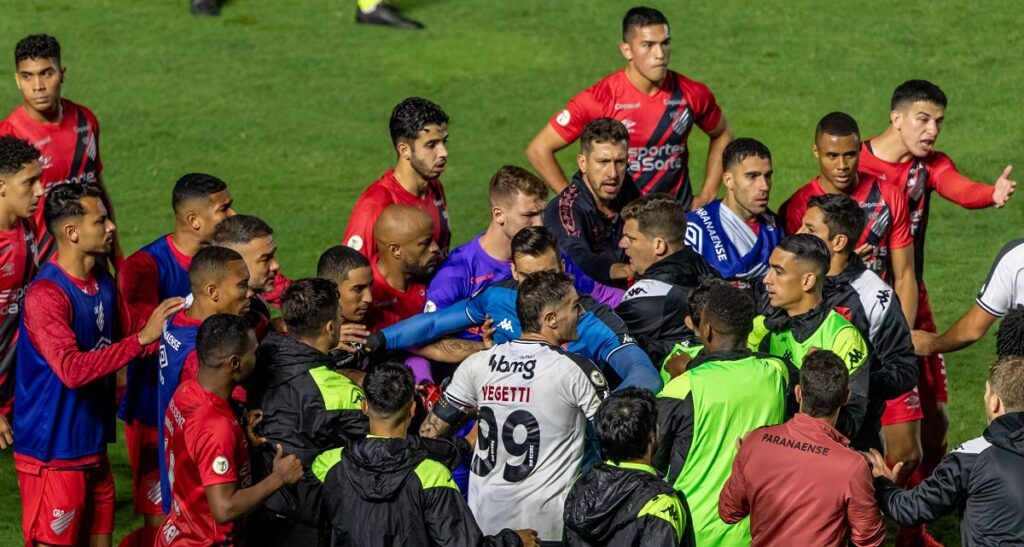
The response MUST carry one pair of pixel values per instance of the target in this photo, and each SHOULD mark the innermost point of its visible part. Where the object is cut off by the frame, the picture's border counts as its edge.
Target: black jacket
(655, 307)
(590, 237)
(615, 505)
(873, 307)
(308, 407)
(388, 492)
(983, 479)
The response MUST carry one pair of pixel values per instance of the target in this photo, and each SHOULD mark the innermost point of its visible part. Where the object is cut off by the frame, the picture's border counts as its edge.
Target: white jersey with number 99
(533, 402)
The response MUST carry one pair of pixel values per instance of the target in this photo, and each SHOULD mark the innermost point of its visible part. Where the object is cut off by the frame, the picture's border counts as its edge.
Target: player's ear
(799, 394)
(71, 232)
(364, 407)
(192, 219)
(839, 242)
(727, 179)
(814, 149)
(625, 50)
(404, 150)
(395, 250)
(63, 71)
(660, 246)
(581, 162)
(551, 319)
(212, 292)
(809, 280)
(895, 118)
(235, 362)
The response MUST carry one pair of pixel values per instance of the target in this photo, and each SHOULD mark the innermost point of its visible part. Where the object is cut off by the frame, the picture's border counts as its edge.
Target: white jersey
(533, 402)
(1004, 288)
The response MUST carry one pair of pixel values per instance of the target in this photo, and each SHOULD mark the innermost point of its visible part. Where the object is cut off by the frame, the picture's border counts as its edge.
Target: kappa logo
(221, 465)
(883, 297)
(506, 324)
(62, 520)
(855, 356)
(563, 118)
(635, 291)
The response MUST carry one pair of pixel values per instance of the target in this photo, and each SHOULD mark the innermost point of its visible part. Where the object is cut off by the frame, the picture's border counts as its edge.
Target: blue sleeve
(584, 283)
(635, 368)
(424, 328)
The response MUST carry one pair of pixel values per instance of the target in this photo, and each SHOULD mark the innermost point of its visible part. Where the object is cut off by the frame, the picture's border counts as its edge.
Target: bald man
(407, 256)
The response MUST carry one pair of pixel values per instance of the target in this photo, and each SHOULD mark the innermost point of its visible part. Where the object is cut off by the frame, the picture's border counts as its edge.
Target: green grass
(288, 102)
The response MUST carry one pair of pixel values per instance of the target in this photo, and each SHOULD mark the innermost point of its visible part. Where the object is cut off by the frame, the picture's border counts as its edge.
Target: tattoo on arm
(459, 346)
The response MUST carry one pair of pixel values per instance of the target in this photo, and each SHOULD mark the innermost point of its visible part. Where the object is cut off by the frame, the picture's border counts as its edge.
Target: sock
(367, 6)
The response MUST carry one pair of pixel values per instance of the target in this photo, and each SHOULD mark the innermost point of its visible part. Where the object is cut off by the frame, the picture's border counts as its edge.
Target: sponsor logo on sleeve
(355, 242)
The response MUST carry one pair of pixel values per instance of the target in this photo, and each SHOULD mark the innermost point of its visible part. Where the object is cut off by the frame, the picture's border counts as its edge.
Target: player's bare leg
(903, 444)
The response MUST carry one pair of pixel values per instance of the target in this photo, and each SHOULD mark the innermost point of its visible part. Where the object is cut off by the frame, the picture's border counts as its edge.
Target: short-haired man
(206, 449)
(658, 105)
(157, 271)
(623, 501)
(20, 194)
(253, 238)
(726, 392)
(887, 227)
(982, 479)
(870, 304)
(219, 281)
(904, 155)
(533, 385)
(804, 321)
(388, 489)
(798, 480)
(419, 134)
(603, 337)
(1002, 291)
(517, 199)
(407, 254)
(1010, 334)
(654, 308)
(308, 406)
(68, 354)
(585, 215)
(736, 234)
(66, 133)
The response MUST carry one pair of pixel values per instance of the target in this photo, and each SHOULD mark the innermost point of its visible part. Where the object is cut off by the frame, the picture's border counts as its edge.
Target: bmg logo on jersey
(500, 364)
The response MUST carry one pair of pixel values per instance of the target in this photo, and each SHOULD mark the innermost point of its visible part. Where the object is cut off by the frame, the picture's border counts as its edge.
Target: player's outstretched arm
(720, 136)
(966, 331)
(450, 350)
(228, 503)
(541, 154)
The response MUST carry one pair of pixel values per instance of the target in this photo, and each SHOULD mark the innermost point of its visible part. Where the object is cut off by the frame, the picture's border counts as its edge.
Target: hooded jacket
(655, 307)
(824, 328)
(983, 479)
(859, 295)
(384, 492)
(308, 407)
(625, 505)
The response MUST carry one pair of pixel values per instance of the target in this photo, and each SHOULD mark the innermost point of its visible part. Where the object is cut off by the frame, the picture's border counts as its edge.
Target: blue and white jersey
(729, 244)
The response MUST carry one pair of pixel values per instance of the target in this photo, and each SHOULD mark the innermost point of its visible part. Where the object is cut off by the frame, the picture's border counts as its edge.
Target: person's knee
(903, 444)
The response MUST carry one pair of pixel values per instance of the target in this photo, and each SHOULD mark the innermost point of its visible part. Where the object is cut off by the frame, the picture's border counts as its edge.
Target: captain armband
(451, 413)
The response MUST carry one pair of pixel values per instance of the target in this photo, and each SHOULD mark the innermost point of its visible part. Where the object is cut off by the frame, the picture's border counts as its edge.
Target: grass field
(288, 101)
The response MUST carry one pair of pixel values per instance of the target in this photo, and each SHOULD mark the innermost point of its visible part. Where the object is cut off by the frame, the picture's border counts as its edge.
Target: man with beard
(407, 253)
(253, 238)
(585, 215)
(419, 133)
(737, 234)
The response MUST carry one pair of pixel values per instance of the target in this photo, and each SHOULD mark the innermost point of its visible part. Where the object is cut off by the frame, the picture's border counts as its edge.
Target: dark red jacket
(801, 485)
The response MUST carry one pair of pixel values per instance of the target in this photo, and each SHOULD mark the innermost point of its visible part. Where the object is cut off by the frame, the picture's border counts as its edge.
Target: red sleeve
(792, 212)
(47, 318)
(705, 108)
(866, 527)
(733, 504)
(581, 110)
(359, 232)
(213, 446)
(899, 233)
(138, 280)
(950, 184)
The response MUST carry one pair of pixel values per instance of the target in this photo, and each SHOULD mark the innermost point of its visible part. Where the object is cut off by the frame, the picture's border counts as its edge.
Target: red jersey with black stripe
(888, 219)
(659, 126)
(17, 267)
(69, 153)
(917, 178)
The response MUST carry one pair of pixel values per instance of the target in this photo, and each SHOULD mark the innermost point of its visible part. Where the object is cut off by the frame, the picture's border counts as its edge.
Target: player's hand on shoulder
(253, 419)
(353, 337)
(1004, 187)
(6, 433)
(528, 537)
(287, 468)
(154, 326)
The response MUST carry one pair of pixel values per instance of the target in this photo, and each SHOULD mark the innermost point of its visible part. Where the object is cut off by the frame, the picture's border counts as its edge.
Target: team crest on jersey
(429, 307)
(221, 465)
(563, 118)
(100, 319)
(598, 379)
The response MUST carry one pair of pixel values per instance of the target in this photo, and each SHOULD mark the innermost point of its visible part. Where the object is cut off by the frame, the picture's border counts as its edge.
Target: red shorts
(143, 456)
(65, 506)
(931, 380)
(903, 409)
